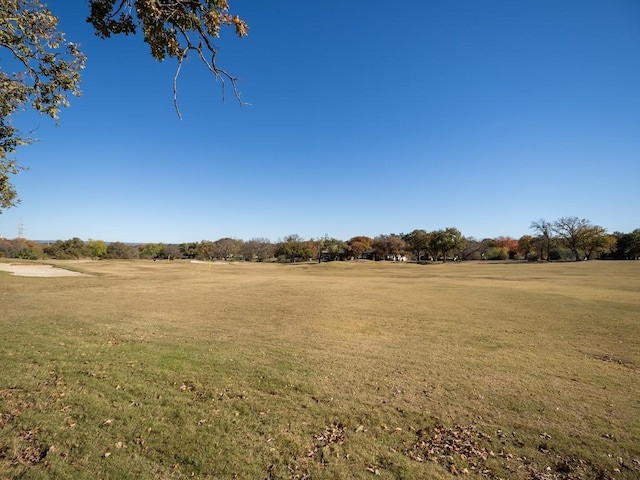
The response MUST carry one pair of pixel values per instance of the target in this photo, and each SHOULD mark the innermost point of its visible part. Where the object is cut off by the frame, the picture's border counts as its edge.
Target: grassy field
(150, 370)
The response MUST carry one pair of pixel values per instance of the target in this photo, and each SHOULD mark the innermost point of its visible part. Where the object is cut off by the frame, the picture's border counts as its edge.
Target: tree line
(568, 238)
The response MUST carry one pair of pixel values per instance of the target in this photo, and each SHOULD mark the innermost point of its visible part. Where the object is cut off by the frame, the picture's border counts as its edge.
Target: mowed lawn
(148, 370)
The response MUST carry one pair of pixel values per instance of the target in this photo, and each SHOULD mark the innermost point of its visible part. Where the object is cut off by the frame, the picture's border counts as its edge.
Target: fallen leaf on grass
(32, 454)
(373, 470)
(333, 434)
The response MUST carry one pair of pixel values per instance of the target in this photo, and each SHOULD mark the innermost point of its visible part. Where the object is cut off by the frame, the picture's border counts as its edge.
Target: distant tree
(396, 245)
(447, 242)
(70, 249)
(575, 233)
(96, 248)
(418, 242)
(119, 250)
(457, 241)
(330, 249)
(226, 248)
(476, 249)
(497, 253)
(189, 250)
(493, 251)
(21, 248)
(545, 240)
(5, 248)
(526, 246)
(622, 241)
(31, 251)
(206, 250)
(635, 244)
(293, 248)
(9, 248)
(259, 249)
(379, 247)
(627, 245)
(508, 245)
(171, 252)
(314, 251)
(610, 247)
(151, 251)
(357, 246)
(386, 246)
(595, 240)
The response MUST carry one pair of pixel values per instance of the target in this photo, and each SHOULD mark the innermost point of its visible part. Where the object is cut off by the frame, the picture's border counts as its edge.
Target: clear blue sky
(366, 118)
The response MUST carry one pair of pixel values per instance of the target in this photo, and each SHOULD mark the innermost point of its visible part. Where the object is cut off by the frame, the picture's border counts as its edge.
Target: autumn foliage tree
(579, 235)
(507, 245)
(388, 245)
(526, 245)
(357, 246)
(172, 28)
(595, 241)
(226, 248)
(21, 248)
(259, 249)
(293, 247)
(40, 69)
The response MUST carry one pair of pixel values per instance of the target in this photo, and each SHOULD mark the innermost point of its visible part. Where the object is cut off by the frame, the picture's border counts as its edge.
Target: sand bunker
(37, 270)
(210, 263)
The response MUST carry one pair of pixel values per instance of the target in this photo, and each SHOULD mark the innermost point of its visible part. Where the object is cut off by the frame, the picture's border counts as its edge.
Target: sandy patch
(38, 270)
(210, 263)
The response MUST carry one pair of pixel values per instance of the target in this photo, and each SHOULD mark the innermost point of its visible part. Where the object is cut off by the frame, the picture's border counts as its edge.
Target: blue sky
(367, 118)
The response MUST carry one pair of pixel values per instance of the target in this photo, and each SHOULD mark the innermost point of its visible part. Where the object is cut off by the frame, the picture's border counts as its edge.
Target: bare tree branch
(173, 28)
(175, 83)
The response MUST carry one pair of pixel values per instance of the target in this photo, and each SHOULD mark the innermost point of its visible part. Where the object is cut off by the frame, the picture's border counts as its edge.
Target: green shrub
(496, 253)
(30, 253)
(554, 254)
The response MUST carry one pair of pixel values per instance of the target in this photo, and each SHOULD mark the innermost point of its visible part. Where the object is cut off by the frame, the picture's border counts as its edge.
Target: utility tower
(20, 229)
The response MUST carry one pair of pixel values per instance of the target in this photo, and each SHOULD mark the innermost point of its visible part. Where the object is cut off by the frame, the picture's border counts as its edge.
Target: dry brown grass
(344, 370)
